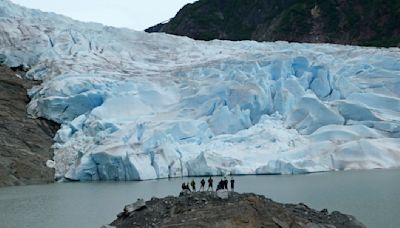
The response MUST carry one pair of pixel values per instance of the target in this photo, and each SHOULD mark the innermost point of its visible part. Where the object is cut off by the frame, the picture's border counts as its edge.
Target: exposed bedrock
(206, 209)
(25, 143)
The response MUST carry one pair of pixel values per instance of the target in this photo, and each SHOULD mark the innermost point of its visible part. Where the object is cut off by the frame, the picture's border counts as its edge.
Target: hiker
(185, 186)
(232, 184)
(220, 185)
(225, 183)
(210, 184)
(193, 185)
(202, 183)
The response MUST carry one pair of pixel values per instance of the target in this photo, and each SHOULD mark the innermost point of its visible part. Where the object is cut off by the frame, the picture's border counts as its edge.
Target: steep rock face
(25, 143)
(360, 22)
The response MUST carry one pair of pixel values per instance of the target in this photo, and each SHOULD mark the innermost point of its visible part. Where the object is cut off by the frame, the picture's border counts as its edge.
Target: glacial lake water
(373, 197)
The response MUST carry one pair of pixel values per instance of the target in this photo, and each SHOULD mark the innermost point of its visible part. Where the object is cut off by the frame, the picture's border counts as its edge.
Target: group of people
(223, 184)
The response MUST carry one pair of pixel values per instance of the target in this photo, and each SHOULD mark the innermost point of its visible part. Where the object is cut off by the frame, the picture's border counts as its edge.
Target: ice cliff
(137, 106)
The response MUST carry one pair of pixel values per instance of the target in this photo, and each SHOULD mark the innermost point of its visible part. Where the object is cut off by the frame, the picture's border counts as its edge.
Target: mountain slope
(360, 22)
(25, 143)
(135, 106)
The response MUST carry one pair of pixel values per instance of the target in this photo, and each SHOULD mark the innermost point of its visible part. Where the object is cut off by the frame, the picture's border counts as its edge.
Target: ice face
(136, 106)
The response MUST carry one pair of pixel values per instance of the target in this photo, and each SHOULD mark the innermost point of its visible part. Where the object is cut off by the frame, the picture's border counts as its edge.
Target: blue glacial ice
(136, 106)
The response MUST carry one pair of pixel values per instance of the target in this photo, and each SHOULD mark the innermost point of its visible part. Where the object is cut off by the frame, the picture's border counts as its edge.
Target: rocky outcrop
(205, 209)
(370, 23)
(25, 143)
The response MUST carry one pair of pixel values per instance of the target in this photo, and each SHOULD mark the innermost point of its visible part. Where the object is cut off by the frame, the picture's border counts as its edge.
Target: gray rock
(325, 211)
(206, 209)
(185, 192)
(25, 143)
(313, 225)
(138, 205)
(223, 194)
(280, 223)
(107, 226)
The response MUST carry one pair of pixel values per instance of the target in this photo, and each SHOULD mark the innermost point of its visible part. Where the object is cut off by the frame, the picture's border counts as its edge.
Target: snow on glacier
(137, 106)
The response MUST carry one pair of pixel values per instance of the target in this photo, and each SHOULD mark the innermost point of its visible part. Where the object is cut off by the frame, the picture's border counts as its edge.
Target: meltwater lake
(373, 197)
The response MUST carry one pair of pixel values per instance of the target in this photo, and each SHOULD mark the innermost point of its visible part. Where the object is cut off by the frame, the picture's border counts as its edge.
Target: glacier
(137, 106)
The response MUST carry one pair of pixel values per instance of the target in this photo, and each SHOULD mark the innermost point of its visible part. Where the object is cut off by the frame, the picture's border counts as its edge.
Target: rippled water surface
(372, 196)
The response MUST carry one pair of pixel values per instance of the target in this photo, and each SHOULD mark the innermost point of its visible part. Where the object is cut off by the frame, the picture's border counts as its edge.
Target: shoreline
(214, 176)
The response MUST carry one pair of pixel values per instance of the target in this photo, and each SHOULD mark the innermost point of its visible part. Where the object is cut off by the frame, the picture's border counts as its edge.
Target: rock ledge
(205, 209)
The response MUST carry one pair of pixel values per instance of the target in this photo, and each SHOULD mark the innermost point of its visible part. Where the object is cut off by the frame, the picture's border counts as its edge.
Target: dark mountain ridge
(356, 22)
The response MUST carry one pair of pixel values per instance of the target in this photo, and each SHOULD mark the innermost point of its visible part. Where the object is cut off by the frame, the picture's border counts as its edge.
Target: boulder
(136, 206)
(223, 194)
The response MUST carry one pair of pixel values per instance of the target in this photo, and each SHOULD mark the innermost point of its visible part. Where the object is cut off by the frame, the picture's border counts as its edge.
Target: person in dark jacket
(232, 184)
(220, 185)
(193, 184)
(185, 186)
(225, 183)
(202, 183)
(210, 184)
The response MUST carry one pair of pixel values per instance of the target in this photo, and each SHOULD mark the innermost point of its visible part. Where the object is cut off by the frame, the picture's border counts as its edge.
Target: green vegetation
(361, 22)
(296, 19)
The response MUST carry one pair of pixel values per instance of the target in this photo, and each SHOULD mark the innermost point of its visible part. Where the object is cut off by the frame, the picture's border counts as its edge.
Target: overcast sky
(135, 14)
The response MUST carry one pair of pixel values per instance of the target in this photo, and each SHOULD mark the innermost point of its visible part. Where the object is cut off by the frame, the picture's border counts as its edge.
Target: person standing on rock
(221, 185)
(232, 184)
(193, 185)
(202, 182)
(225, 183)
(210, 184)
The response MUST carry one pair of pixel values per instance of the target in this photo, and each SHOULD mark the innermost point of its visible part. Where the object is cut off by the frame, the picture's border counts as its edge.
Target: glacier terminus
(137, 106)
